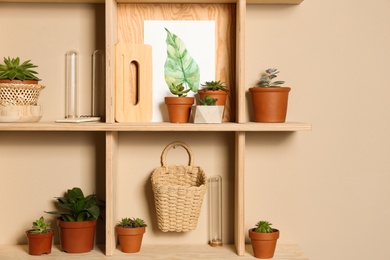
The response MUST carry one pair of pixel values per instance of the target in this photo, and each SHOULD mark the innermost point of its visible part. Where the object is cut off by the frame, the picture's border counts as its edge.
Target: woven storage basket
(178, 193)
(19, 94)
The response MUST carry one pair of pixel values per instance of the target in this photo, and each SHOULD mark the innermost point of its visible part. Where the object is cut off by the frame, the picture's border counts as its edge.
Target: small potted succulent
(19, 91)
(264, 239)
(269, 98)
(208, 112)
(78, 223)
(214, 89)
(40, 237)
(130, 233)
(182, 75)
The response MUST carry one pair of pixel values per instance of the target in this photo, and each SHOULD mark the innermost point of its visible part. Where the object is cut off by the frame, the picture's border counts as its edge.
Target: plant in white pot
(269, 99)
(208, 112)
(78, 222)
(40, 237)
(182, 75)
(214, 89)
(19, 91)
(130, 233)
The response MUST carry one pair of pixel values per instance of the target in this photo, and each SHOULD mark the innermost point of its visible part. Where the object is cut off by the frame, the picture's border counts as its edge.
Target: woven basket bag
(19, 94)
(178, 193)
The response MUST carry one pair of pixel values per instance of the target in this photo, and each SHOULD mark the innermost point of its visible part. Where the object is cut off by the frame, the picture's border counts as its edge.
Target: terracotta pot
(270, 104)
(130, 239)
(179, 108)
(219, 94)
(77, 237)
(17, 81)
(39, 244)
(263, 244)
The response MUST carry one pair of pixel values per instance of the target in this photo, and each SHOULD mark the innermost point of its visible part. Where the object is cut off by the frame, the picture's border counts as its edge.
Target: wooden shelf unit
(112, 129)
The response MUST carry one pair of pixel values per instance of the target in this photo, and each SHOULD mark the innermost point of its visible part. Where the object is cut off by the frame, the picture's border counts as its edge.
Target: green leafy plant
(180, 68)
(13, 69)
(40, 227)
(79, 208)
(178, 90)
(266, 79)
(263, 227)
(214, 85)
(131, 223)
(208, 101)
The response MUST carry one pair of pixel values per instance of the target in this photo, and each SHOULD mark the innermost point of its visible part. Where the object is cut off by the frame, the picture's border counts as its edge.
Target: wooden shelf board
(155, 127)
(292, 2)
(179, 252)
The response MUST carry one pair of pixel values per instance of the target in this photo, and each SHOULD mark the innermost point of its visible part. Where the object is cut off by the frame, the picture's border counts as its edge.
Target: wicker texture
(178, 193)
(19, 94)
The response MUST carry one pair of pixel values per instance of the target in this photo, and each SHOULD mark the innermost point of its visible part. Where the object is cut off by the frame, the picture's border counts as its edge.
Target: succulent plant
(208, 101)
(263, 227)
(14, 69)
(39, 226)
(214, 85)
(266, 79)
(131, 223)
(178, 90)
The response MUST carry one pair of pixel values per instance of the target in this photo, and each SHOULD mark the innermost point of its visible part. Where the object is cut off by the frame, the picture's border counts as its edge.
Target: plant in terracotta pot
(264, 239)
(19, 91)
(208, 111)
(214, 89)
(182, 75)
(130, 233)
(269, 98)
(40, 237)
(78, 223)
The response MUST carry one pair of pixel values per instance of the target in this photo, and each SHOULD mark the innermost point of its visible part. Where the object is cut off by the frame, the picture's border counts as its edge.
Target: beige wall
(326, 190)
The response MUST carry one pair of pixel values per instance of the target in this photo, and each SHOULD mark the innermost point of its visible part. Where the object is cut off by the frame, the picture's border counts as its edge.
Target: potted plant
(182, 75)
(264, 239)
(78, 223)
(208, 111)
(40, 237)
(130, 233)
(19, 91)
(269, 99)
(214, 89)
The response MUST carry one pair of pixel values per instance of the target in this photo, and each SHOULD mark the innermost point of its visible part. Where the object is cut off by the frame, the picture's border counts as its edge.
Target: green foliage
(263, 227)
(39, 226)
(266, 79)
(180, 67)
(79, 208)
(12, 69)
(214, 85)
(208, 101)
(131, 223)
(178, 90)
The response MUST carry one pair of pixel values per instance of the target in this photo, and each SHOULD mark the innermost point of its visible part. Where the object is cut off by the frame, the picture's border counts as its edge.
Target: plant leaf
(179, 66)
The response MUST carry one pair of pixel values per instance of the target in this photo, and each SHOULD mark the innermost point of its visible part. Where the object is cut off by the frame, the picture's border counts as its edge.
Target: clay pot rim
(271, 236)
(270, 89)
(19, 81)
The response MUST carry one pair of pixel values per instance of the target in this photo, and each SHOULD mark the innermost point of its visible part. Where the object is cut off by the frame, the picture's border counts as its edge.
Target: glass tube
(98, 82)
(71, 105)
(215, 211)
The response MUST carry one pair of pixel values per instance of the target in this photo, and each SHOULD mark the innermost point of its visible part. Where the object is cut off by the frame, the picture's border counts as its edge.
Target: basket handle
(174, 145)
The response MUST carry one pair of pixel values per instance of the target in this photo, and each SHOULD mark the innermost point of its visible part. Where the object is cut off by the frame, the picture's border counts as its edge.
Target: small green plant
(266, 79)
(131, 223)
(40, 227)
(263, 227)
(178, 90)
(12, 69)
(214, 85)
(79, 208)
(208, 101)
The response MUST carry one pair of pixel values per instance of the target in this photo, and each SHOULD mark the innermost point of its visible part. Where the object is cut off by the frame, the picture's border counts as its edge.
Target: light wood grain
(154, 252)
(239, 235)
(156, 127)
(133, 83)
